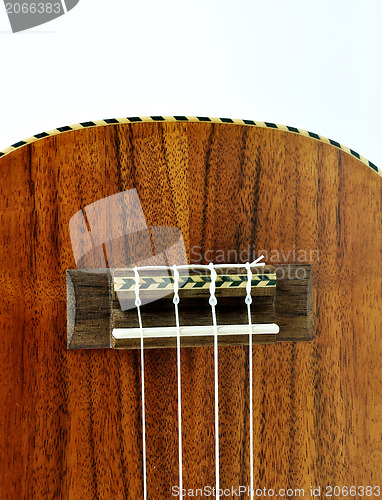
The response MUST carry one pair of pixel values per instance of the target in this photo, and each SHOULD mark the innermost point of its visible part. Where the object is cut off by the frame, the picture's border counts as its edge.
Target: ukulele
(190, 307)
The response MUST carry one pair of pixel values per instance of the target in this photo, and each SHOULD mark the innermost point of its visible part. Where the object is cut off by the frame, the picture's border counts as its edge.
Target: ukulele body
(71, 419)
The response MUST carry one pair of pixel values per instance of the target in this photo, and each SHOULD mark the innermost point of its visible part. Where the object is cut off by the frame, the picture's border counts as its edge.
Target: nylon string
(248, 301)
(138, 304)
(213, 302)
(176, 304)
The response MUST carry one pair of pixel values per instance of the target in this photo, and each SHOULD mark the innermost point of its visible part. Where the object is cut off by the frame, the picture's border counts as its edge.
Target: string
(213, 303)
(176, 304)
(248, 301)
(138, 304)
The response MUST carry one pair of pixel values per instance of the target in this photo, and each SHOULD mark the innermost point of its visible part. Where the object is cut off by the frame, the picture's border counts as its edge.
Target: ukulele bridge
(102, 307)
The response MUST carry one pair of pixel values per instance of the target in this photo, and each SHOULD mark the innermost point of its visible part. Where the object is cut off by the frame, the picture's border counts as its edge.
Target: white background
(312, 65)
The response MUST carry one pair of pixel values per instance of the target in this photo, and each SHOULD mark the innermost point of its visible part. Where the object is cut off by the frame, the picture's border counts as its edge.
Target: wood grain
(70, 420)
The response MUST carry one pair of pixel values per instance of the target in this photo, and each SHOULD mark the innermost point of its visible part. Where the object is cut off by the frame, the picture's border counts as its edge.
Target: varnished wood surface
(70, 420)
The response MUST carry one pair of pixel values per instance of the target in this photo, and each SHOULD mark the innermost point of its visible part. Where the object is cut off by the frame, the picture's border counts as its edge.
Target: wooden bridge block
(100, 301)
